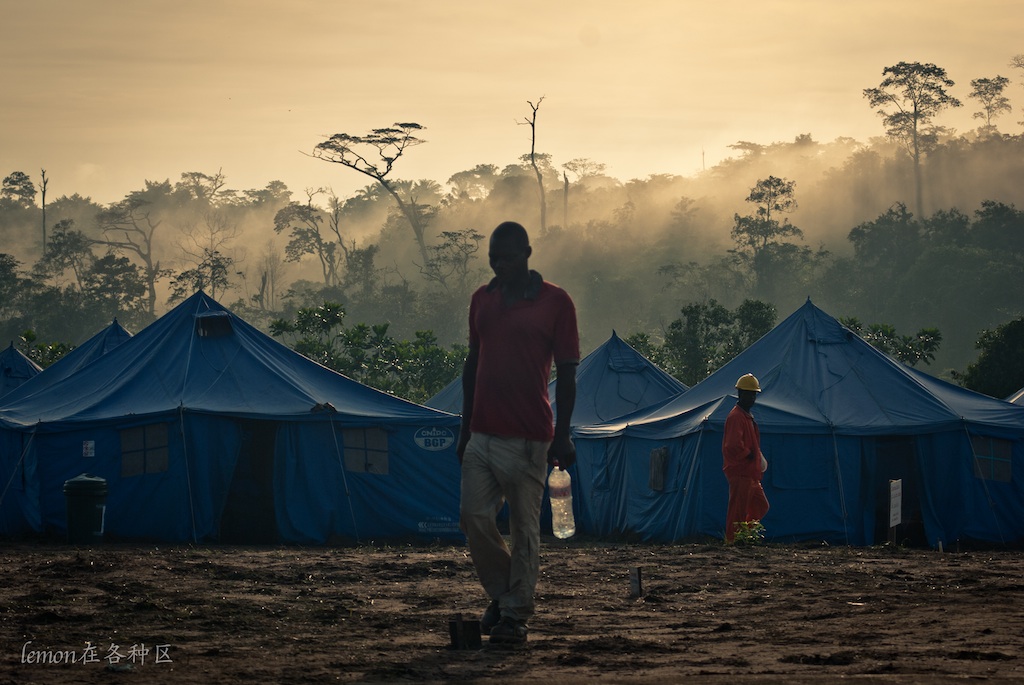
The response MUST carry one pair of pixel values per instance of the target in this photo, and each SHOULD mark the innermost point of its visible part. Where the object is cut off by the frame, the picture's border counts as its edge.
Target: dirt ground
(707, 614)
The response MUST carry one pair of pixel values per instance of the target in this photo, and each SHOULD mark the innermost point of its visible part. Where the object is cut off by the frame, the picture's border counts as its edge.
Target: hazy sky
(105, 94)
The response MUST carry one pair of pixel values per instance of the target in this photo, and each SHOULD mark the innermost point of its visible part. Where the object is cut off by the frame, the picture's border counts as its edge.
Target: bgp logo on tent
(434, 439)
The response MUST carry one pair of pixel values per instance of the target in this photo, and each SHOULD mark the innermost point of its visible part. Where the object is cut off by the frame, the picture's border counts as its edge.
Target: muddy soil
(705, 613)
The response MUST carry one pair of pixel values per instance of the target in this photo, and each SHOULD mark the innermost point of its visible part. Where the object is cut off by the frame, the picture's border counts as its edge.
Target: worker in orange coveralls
(743, 462)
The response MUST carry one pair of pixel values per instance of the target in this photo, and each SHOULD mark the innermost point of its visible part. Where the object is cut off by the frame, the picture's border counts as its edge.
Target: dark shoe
(491, 618)
(509, 631)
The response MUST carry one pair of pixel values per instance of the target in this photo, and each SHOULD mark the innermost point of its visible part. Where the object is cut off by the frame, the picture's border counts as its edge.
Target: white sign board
(88, 448)
(895, 503)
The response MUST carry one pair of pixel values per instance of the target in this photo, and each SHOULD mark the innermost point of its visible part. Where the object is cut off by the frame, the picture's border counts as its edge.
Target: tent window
(213, 325)
(366, 450)
(992, 458)
(144, 450)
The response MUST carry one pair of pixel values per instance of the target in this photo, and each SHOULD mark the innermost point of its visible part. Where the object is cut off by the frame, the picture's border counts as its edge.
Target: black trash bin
(86, 497)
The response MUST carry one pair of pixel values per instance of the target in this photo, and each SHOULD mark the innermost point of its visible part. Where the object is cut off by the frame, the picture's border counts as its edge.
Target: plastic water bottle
(563, 524)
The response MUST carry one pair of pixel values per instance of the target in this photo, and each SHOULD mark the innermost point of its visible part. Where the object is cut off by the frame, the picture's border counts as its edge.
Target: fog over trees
(917, 229)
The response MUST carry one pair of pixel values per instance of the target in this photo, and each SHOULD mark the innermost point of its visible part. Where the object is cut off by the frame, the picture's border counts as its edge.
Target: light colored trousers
(495, 470)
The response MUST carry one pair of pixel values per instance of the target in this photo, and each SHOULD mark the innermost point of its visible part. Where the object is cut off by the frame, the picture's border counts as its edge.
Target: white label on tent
(88, 448)
(895, 503)
(434, 439)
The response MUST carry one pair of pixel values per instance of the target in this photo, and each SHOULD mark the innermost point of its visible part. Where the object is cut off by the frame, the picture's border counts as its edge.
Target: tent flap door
(249, 515)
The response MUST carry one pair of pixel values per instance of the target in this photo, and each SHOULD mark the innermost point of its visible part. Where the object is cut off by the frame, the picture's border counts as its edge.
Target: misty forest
(912, 238)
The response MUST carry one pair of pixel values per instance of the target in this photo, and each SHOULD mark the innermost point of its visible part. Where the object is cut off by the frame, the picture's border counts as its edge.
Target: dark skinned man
(519, 324)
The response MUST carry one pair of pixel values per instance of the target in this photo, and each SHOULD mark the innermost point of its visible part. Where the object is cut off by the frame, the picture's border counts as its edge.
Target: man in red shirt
(518, 325)
(743, 462)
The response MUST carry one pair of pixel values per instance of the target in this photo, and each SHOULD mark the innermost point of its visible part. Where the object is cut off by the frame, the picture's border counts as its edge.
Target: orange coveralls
(741, 457)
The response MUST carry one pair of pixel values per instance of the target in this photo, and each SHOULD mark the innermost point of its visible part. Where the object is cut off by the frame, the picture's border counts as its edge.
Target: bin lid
(85, 484)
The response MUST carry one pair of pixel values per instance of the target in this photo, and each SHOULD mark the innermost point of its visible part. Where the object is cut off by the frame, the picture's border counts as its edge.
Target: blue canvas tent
(615, 380)
(92, 349)
(611, 381)
(448, 398)
(839, 420)
(207, 429)
(15, 369)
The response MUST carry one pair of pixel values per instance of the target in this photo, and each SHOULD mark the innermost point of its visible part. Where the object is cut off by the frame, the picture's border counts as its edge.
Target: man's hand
(562, 452)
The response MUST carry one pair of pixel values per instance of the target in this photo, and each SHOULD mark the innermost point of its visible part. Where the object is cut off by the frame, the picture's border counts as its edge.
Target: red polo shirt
(516, 345)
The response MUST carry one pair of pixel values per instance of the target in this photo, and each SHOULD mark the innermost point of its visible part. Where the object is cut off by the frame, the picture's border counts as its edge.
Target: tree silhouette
(305, 224)
(209, 275)
(989, 92)
(532, 123)
(906, 348)
(388, 145)
(18, 189)
(1017, 62)
(130, 226)
(999, 369)
(706, 336)
(761, 237)
(907, 99)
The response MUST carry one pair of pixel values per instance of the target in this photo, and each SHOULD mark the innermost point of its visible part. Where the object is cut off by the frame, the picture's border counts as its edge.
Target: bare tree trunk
(43, 189)
(532, 122)
(565, 200)
(918, 192)
(412, 215)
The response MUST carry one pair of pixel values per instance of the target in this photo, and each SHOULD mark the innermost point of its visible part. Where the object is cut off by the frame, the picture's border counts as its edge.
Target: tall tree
(209, 275)
(68, 250)
(130, 226)
(531, 121)
(707, 336)
(884, 249)
(42, 188)
(909, 349)
(206, 246)
(18, 189)
(212, 231)
(583, 167)
(910, 96)
(269, 268)
(388, 145)
(999, 227)
(200, 186)
(117, 288)
(450, 261)
(12, 287)
(312, 231)
(773, 197)
(999, 368)
(473, 184)
(1017, 62)
(761, 237)
(989, 93)
(275, 193)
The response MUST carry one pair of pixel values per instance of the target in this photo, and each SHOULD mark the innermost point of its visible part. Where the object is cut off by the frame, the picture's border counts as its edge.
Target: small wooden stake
(636, 583)
(464, 634)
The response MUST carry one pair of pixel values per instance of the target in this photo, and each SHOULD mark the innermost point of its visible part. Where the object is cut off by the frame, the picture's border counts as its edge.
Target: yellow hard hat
(748, 382)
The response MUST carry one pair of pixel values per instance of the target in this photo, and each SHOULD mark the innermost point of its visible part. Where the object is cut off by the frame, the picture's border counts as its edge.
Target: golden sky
(104, 94)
